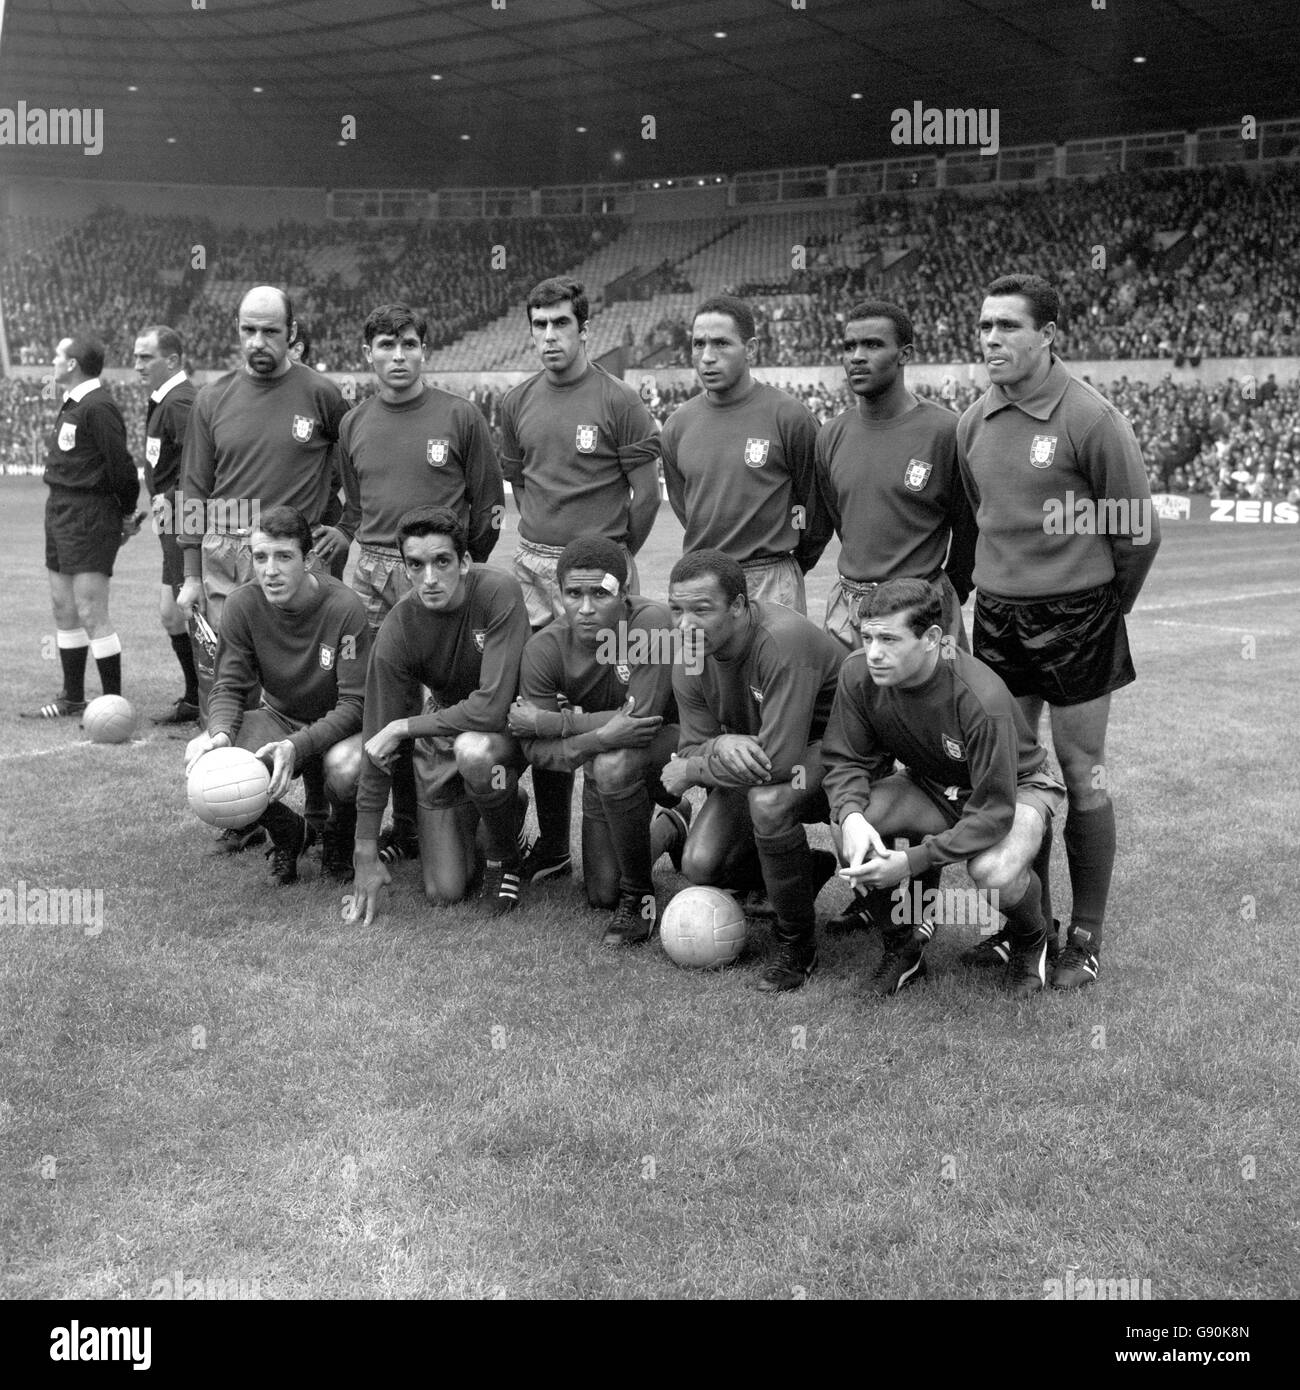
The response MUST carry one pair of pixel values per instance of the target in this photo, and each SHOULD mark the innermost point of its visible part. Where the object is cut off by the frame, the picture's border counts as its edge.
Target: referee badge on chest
(916, 475)
(68, 435)
(302, 428)
(152, 449)
(1043, 450)
(436, 452)
(756, 452)
(585, 440)
(326, 657)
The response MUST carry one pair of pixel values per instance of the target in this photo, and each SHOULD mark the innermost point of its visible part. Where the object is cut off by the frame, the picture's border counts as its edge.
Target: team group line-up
(436, 681)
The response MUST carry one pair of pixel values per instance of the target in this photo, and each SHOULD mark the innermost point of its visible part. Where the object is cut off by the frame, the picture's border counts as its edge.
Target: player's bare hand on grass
(280, 756)
(383, 746)
(201, 744)
(371, 877)
(743, 758)
(522, 718)
(628, 730)
(328, 542)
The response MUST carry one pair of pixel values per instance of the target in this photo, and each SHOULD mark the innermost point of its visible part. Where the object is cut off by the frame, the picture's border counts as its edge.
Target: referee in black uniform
(158, 352)
(89, 512)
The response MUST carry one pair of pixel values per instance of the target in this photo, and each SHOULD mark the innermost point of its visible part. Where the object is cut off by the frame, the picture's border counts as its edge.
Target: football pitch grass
(230, 1082)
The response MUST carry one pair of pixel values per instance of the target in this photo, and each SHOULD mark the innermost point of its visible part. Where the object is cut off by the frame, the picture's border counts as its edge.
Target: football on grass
(703, 928)
(228, 788)
(109, 719)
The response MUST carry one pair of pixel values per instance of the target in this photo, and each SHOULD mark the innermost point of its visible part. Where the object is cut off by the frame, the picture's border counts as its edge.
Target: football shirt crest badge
(756, 452)
(585, 441)
(326, 657)
(917, 474)
(624, 672)
(756, 693)
(1043, 450)
(302, 428)
(68, 435)
(437, 452)
(480, 638)
(152, 449)
(953, 748)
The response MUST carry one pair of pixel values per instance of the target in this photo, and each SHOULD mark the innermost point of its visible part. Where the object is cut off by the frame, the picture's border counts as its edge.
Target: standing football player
(410, 445)
(581, 453)
(158, 353)
(739, 461)
(459, 633)
(751, 725)
(89, 512)
(1049, 616)
(595, 691)
(302, 638)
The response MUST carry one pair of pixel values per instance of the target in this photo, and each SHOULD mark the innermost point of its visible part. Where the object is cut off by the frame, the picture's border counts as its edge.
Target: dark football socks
(107, 652)
(784, 858)
(627, 817)
(404, 815)
(1042, 867)
(74, 646)
(499, 814)
(554, 795)
(184, 650)
(1025, 915)
(1090, 851)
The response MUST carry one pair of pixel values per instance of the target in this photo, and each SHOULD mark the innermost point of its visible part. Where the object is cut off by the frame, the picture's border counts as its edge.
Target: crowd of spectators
(1228, 288)
(115, 272)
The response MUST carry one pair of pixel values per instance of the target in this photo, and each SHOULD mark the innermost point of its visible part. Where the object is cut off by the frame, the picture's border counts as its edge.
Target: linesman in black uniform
(89, 512)
(158, 351)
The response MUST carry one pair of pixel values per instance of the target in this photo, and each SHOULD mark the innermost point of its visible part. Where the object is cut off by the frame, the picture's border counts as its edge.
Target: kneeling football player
(459, 632)
(302, 636)
(974, 785)
(752, 717)
(595, 691)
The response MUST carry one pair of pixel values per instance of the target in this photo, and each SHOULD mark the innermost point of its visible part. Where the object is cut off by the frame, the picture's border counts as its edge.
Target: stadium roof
(449, 93)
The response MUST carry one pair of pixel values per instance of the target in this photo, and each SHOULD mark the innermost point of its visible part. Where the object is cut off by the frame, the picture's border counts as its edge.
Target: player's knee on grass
(343, 768)
(616, 770)
(773, 809)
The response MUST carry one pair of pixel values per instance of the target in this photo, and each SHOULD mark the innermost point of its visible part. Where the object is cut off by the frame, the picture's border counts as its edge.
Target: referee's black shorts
(83, 531)
(1065, 650)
